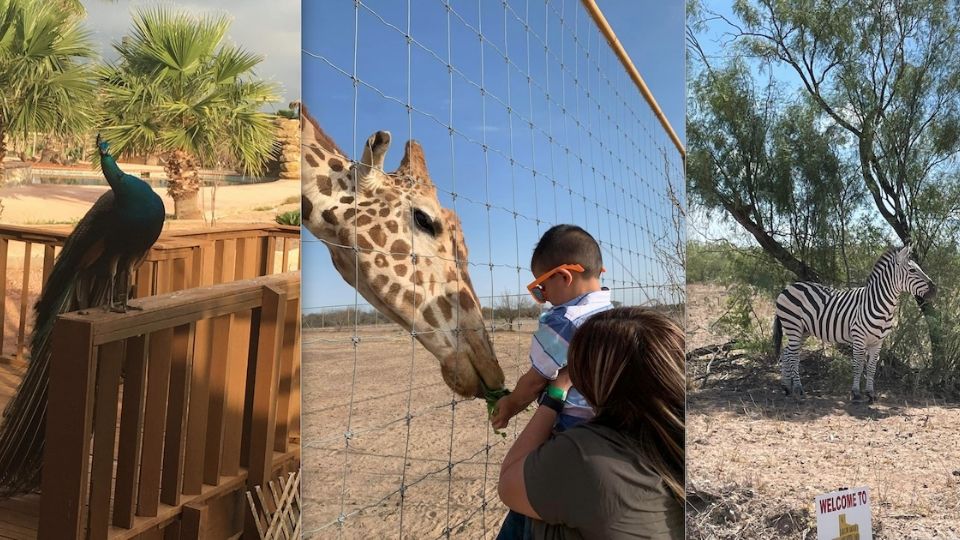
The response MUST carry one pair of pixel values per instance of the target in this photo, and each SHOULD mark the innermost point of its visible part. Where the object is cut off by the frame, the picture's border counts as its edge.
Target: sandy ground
(755, 460)
(49, 203)
(369, 392)
(59, 207)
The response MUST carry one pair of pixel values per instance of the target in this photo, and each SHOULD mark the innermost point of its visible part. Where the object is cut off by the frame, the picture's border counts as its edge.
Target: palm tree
(179, 89)
(46, 81)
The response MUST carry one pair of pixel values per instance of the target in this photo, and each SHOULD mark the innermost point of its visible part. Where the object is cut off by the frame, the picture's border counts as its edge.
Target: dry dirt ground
(370, 392)
(756, 460)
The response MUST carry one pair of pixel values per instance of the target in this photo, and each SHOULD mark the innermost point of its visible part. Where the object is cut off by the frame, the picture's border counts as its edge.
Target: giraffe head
(391, 240)
(905, 274)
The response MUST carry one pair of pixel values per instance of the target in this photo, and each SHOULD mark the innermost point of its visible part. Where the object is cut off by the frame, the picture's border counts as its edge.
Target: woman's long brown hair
(629, 364)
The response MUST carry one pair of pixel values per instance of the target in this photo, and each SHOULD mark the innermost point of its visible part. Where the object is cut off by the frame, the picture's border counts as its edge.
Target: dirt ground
(756, 460)
(369, 392)
(60, 206)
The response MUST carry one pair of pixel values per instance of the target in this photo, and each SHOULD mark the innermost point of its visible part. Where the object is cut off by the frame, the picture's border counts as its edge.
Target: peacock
(93, 269)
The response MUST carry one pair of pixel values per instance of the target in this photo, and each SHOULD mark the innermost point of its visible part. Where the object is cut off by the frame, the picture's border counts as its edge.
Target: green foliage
(740, 320)
(289, 218)
(179, 85)
(47, 82)
(726, 265)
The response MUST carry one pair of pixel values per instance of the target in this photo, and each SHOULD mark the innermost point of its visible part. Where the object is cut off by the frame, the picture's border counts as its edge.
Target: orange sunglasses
(536, 290)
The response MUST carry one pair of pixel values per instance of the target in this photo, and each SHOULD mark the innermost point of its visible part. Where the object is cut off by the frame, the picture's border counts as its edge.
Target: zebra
(861, 317)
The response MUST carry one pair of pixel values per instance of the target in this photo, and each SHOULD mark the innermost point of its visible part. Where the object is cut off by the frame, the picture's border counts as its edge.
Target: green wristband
(557, 393)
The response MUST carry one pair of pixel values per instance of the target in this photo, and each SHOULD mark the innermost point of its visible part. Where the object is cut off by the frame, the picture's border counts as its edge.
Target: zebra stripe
(861, 317)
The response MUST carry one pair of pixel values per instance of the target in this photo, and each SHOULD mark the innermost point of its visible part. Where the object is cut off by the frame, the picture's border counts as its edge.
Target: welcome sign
(844, 515)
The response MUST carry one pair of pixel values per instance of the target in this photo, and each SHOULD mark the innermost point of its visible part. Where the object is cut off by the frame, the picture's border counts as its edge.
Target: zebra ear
(904, 254)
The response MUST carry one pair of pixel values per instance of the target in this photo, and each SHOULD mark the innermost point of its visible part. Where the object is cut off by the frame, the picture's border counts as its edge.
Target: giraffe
(391, 240)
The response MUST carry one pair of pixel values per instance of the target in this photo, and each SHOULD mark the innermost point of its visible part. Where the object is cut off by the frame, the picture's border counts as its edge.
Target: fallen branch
(711, 349)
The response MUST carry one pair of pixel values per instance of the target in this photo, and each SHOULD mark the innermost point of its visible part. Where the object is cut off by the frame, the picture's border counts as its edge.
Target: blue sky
(595, 156)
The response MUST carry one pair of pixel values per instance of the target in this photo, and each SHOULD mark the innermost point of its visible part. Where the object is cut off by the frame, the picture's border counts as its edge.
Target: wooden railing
(205, 382)
(179, 260)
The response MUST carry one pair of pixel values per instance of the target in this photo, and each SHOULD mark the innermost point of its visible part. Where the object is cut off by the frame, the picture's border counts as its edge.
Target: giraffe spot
(329, 216)
(342, 183)
(392, 226)
(380, 282)
(372, 212)
(428, 261)
(335, 164)
(389, 196)
(307, 207)
(364, 220)
(365, 267)
(380, 260)
(344, 236)
(414, 299)
(323, 182)
(451, 275)
(400, 269)
(446, 308)
(312, 161)
(391, 296)
(348, 215)
(378, 236)
(417, 278)
(430, 318)
(400, 249)
(384, 212)
(466, 300)
(432, 286)
(364, 243)
(366, 203)
(346, 200)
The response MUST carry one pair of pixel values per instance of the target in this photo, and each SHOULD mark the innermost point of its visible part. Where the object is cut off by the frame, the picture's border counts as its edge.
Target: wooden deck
(19, 516)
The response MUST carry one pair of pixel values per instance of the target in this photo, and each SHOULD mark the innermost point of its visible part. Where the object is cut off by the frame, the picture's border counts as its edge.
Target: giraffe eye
(423, 222)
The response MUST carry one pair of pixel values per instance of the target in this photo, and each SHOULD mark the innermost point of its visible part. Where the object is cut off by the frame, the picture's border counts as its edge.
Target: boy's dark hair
(567, 244)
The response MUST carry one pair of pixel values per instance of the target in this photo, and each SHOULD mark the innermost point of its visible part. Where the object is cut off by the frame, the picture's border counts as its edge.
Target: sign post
(844, 515)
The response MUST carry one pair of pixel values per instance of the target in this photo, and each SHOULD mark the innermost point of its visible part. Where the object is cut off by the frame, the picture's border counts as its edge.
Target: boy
(567, 265)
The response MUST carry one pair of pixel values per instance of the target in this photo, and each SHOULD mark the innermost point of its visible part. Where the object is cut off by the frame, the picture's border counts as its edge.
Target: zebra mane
(886, 263)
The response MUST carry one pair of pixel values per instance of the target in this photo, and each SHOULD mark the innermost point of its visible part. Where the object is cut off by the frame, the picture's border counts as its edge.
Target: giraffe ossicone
(391, 240)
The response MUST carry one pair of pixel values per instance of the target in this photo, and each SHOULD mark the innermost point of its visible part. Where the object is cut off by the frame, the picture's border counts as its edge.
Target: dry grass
(756, 460)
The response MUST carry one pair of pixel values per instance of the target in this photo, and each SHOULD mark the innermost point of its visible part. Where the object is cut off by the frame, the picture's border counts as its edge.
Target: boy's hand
(503, 411)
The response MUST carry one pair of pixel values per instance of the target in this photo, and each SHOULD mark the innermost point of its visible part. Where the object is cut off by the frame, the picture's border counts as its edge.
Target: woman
(619, 475)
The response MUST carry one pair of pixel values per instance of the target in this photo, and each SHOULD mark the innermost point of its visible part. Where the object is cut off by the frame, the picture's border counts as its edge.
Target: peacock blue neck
(121, 183)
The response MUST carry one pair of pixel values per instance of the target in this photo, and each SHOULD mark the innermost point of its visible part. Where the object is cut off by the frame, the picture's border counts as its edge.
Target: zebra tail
(777, 335)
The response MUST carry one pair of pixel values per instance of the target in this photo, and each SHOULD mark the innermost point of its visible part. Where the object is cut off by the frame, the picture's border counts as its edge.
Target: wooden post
(24, 300)
(4, 243)
(131, 424)
(263, 420)
(174, 444)
(145, 284)
(49, 255)
(158, 380)
(216, 417)
(291, 332)
(236, 383)
(199, 406)
(110, 359)
(66, 454)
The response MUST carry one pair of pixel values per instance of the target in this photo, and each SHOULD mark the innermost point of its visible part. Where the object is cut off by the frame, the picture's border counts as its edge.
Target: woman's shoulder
(605, 449)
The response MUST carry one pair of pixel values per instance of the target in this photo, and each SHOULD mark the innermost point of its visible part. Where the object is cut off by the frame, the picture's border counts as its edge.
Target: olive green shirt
(590, 482)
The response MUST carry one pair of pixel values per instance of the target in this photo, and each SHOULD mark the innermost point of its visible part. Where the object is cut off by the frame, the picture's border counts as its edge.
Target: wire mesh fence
(528, 119)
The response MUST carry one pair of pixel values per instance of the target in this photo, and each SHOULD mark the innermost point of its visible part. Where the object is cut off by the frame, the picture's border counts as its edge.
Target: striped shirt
(548, 351)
